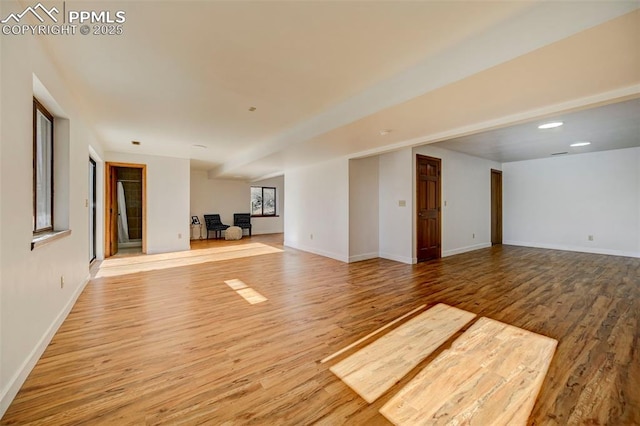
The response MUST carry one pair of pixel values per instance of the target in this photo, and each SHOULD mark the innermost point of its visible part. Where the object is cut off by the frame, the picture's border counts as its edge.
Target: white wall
(396, 222)
(466, 199)
(222, 196)
(168, 182)
(317, 209)
(5, 394)
(558, 202)
(32, 302)
(226, 197)
(363, 208)
(466, 189)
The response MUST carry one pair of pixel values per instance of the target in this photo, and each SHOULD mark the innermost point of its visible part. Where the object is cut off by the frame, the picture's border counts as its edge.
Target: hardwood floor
(178, 345)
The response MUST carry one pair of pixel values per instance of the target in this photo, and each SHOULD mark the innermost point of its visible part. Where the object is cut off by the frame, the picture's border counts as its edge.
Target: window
(263, 201)
(42, 168)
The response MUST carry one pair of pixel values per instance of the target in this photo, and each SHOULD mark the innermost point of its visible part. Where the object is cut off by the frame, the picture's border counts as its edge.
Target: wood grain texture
(251, 296)
(370, 335)
(178, 346)
(372, 370)
(491, 375)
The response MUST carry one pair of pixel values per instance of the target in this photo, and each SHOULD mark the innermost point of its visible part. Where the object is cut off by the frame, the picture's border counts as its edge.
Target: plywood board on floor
(374, 369)
(491, 375)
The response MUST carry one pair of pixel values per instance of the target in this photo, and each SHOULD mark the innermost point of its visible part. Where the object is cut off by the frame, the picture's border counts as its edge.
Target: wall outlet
(402, 203)
(61, 281)
(445, 203)
(311, 236)
(179, 235)
(473, 236)
(590, 237)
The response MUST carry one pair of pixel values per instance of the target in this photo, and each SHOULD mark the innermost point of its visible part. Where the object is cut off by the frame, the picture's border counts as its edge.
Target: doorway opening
(92, 209)
(125, 209)
(429, 226)
(496, 207)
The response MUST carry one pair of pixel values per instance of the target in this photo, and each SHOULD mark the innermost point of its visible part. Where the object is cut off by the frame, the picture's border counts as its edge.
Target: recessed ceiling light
(385, 132)
(551, 125)
(199, 146)
(580, 144)
(252, 109)
(135, 142)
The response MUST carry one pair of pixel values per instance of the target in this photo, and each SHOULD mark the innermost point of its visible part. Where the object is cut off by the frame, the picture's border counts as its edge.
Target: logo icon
(34, 11)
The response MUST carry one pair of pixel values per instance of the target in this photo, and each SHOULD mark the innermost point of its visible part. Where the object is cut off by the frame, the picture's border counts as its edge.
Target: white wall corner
(320, 252)
(364, 256)
(402, 259)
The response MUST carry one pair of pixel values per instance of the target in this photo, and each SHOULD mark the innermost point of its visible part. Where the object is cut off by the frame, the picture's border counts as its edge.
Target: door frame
(93, 208)
(496, 208)
(438, 202)
(109, 191)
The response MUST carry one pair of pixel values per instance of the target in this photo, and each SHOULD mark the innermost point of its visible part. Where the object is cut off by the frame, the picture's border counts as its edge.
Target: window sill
(48, 237)
(268, 215)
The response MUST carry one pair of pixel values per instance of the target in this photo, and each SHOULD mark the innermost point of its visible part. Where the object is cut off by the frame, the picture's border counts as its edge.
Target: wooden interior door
(428, 208)
(111, 213)
(111, 206)
(496, 207)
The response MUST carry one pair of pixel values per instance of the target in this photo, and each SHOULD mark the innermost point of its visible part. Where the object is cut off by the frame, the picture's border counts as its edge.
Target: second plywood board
(377, 367)
(491, 375)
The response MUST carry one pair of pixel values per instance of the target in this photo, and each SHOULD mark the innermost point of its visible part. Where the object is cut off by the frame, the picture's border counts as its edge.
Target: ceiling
(324, 76)
(613, 126)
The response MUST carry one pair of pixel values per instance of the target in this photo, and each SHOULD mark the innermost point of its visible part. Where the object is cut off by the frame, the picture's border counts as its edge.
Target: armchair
(215, 225)
(242, 220)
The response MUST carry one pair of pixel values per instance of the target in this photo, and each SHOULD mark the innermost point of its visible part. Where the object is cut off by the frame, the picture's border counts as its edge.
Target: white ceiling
(608, 127)
(185, 73)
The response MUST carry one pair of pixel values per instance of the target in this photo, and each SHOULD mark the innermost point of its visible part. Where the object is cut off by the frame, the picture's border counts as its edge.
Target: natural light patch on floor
(236, 284)
(249, 294)
(130, 265)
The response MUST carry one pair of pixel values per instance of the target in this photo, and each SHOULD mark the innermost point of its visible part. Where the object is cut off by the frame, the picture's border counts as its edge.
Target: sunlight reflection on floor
(130, 265)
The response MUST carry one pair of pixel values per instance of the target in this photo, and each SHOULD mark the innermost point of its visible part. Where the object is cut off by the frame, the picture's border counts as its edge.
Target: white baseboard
(364, 256)
(320, 252)
(573, 248)
(18, 379)
(402, 259)
(465, 249)
(267, 232)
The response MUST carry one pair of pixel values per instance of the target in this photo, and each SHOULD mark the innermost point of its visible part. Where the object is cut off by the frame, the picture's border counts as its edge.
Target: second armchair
(243, 220)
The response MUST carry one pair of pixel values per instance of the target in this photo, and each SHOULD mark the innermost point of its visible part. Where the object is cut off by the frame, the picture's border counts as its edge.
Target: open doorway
(92, 204)
(496, 207)
(125, 209)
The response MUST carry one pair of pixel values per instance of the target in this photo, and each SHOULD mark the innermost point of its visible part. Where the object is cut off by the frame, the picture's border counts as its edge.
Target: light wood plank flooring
(491, 376)
(372, 370)
(179, 346)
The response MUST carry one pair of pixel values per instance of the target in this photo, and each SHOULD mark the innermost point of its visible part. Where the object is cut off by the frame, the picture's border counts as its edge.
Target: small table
(196, 226)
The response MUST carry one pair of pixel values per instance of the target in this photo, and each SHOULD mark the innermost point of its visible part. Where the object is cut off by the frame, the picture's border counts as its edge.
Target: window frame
(275, 201)
(38, 107)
